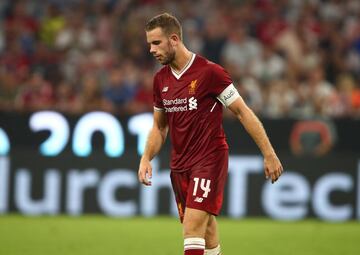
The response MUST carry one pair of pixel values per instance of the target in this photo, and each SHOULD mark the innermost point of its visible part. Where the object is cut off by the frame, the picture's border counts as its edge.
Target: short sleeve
(157, 101)
(223, 87)
(220, 79)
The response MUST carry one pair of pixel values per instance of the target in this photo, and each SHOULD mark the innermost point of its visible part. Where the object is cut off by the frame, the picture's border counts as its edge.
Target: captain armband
(229, 95)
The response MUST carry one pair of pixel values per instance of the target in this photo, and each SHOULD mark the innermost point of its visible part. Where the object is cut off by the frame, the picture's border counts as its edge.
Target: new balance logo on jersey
(198, 199)
(165, 89)
(192, 103)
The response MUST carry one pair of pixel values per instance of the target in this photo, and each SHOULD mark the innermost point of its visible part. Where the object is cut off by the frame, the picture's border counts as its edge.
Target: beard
(169, 56)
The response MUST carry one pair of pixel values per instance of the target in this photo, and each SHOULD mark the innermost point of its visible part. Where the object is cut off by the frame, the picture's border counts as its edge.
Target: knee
(194, 227)
(195, 224)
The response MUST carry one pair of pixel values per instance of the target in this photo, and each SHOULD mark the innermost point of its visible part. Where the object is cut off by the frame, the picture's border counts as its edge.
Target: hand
(273, 168)
(145, 172)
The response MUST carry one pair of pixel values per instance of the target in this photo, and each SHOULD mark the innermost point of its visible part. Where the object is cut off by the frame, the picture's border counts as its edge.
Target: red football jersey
(193, 110)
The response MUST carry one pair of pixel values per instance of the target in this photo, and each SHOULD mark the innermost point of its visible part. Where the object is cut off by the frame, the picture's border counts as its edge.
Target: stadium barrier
(54, 164)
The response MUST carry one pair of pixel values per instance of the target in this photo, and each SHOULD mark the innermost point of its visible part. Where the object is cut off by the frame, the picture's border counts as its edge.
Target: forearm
(272, 164)
(256, 130)
(154, 142)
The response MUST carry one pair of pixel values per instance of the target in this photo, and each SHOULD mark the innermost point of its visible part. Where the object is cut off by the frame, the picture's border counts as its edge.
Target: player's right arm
(154, 143)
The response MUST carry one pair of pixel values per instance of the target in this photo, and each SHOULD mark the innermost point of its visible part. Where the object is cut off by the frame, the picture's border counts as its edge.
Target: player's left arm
(227, 94)
(272, 164)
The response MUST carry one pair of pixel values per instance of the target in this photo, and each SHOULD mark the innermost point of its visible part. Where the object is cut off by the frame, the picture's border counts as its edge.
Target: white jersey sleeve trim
(158, 109)
(229, 95)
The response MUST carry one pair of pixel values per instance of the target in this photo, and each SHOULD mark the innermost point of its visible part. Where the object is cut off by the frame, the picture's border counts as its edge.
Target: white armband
(229, 95)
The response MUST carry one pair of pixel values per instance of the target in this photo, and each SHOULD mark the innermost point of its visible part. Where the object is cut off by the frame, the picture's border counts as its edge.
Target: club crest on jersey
(192, 87)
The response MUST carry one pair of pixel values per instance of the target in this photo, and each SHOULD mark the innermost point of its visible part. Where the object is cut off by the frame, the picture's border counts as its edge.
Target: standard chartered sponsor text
(176, 109)
(176, 101)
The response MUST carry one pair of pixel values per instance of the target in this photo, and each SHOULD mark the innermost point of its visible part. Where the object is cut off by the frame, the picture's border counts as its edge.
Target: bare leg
(212, 234)
(195, 223)
(194, 227)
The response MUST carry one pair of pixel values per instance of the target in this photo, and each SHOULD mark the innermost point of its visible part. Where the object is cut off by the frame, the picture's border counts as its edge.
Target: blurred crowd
(288, 58)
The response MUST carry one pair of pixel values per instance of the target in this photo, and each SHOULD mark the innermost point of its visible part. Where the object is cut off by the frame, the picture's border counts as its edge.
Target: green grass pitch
(162, 236)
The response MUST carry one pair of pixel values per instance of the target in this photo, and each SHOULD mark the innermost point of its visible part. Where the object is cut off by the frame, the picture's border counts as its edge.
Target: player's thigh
(195, 222)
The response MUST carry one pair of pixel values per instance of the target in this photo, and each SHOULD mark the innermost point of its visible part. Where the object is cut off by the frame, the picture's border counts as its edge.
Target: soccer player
(189, 94)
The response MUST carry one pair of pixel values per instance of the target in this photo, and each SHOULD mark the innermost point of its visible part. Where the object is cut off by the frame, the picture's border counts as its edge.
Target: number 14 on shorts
(204, 186)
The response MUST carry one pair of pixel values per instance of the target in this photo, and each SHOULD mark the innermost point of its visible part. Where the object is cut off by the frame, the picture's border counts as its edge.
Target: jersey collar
(186, 67)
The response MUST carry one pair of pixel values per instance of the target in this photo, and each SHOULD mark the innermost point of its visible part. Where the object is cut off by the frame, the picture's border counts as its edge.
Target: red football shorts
(203, 186)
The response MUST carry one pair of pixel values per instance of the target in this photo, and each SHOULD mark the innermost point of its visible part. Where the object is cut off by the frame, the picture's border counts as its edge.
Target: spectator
(90, 98)
(35, 94)
(214, 38)
(285, 57)
(267, 66)
(143, 98)
(8, 91)
(240, 50)
(51, 24)
(279, 99)
(67, 101)
(318, 93)
(121, 87)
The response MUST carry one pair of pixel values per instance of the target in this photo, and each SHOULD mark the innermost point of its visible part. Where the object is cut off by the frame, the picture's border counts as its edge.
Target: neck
(182, 58)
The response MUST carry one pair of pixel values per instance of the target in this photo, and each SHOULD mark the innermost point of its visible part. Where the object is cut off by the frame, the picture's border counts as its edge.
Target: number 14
(203, 186)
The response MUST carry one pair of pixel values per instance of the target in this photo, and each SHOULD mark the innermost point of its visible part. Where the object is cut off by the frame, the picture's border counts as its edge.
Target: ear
(174, 39)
